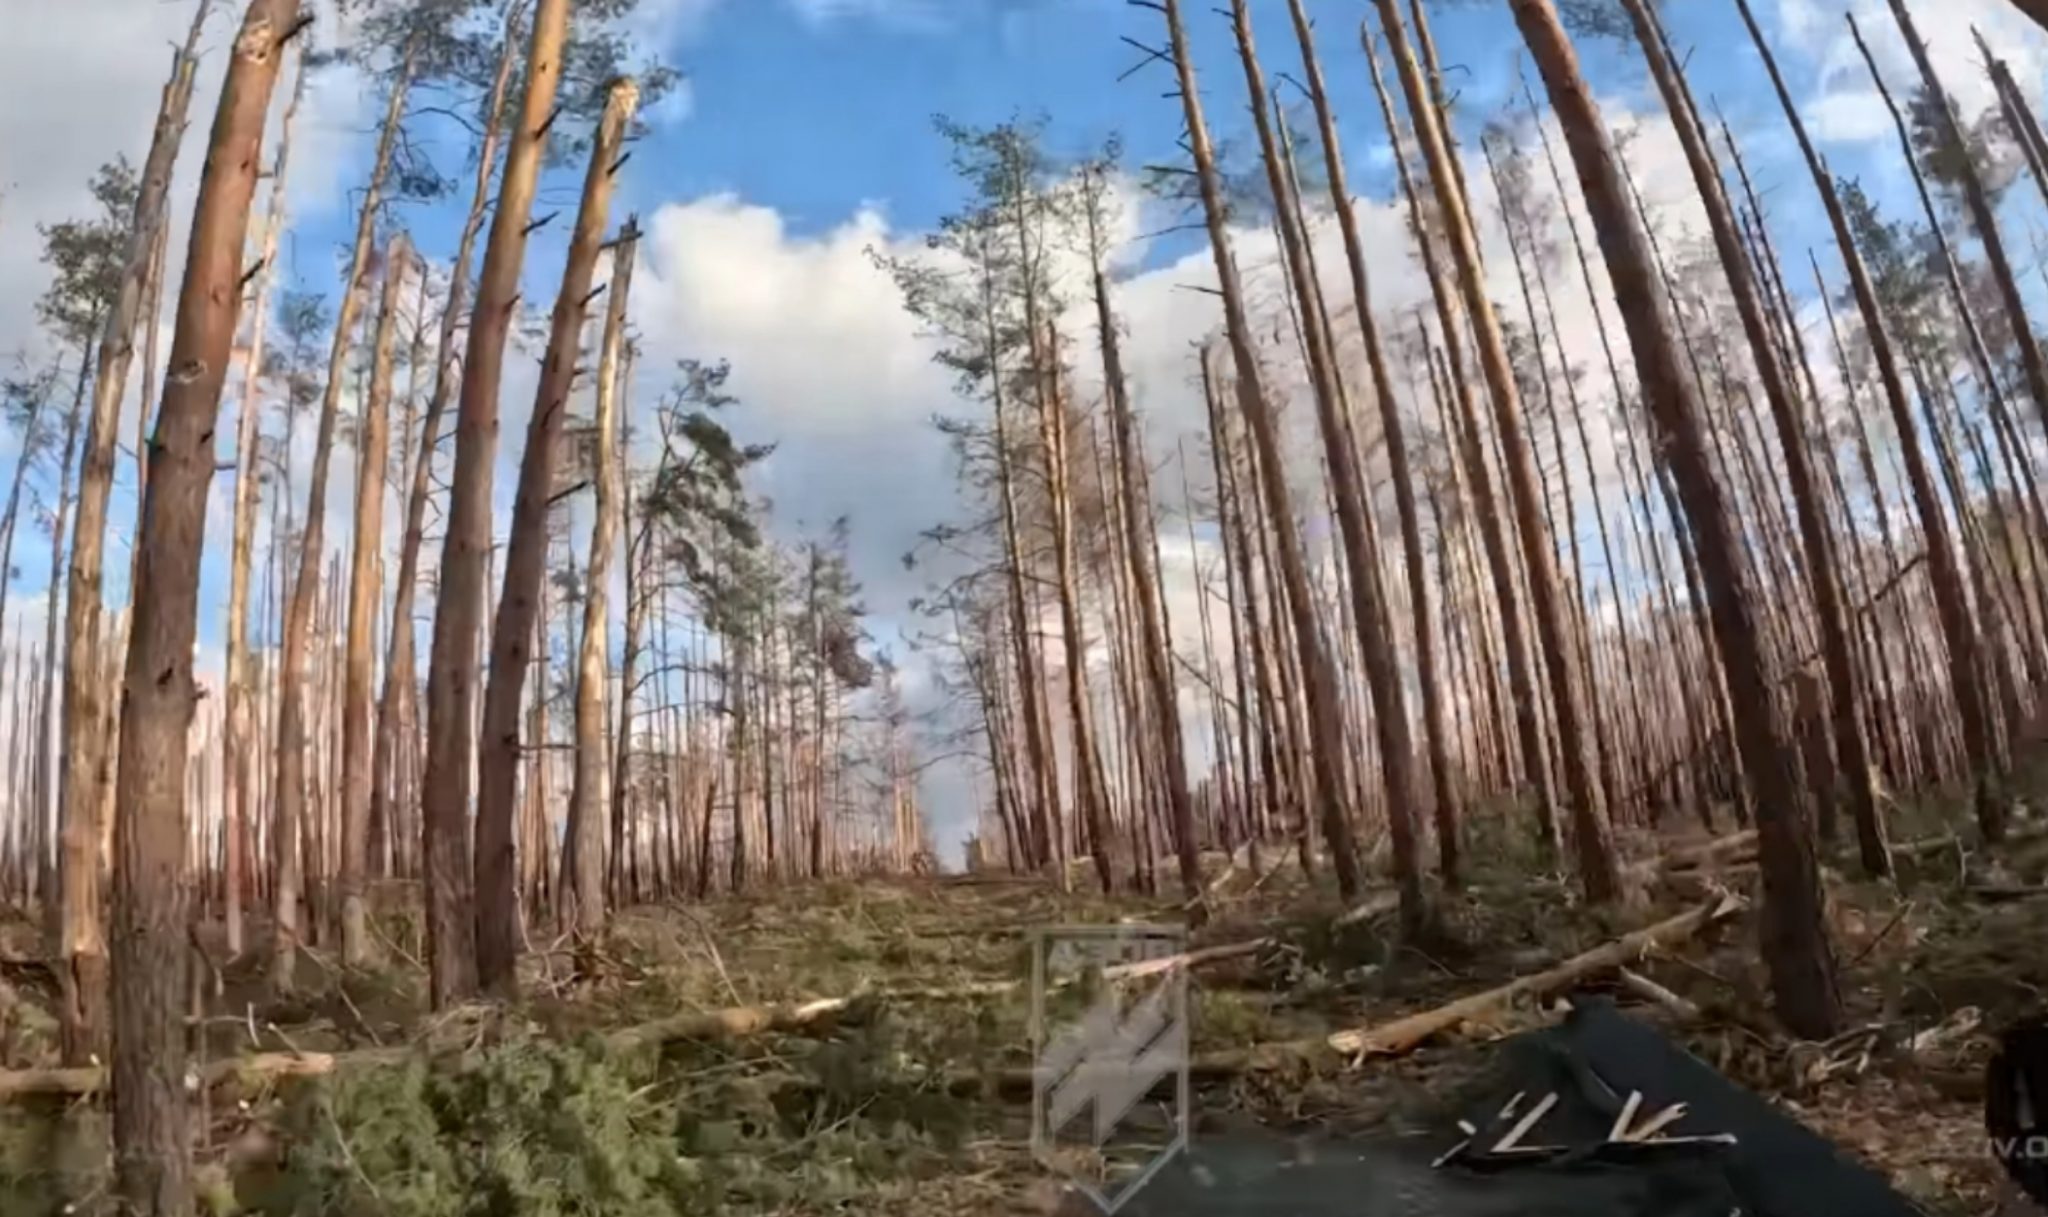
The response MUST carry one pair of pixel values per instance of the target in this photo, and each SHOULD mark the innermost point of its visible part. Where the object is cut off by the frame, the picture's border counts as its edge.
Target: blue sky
(805, 137)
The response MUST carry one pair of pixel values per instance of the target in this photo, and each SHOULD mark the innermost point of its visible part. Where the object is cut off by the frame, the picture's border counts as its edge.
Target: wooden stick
(1649, 990)
(1404, 1034)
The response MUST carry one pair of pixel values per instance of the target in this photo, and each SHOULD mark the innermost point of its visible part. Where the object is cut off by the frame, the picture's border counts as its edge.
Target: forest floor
(602, 1097)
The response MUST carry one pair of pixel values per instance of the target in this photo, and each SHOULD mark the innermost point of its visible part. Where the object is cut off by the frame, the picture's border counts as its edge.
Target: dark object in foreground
(1578, 1120)
(2016, 1106)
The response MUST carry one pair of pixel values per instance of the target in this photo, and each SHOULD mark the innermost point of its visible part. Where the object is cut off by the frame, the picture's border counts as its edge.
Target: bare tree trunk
(1522, 675)
(526, 559)
(396, 707)
(1325, 713)
(1822, 566)
(82, 982)
(83, 943)
(373, 452)
(1599, 869)
(1154, 642)
(1982, 217)
(242, 804)
(1246, 660)
(1371, 615)
(583, 867)
(638, 565)
(1046, 819)
(1052, 430)
(1795, 940)
(1957, 626)
(1385, 665)
(455, 660)
(291, 731)
(151, 1127)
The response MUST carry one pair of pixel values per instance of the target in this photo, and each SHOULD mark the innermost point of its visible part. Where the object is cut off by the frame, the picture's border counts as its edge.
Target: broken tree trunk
(80, 915)
(1795, 942)
(458, 618)
(582, 903)
(241, 734)
(373, 451)
(497, 915)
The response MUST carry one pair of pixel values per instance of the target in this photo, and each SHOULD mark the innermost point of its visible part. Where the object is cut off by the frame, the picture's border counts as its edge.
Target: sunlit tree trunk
(242, 802)
(1048, 848)
(1324, 711)
(1795, 940)
(83, 942)
(397, 708)
(373, 453)
(152, 1130)
(582, 899)
(1852, 753)
(1384, 665)
(458, 617)
(497, 928)
(1957, 626)
(1153, 640)
(1522, 677)
(291, 731)
(1599, 869)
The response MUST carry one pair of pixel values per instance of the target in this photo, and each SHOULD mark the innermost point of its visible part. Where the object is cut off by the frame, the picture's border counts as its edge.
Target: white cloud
(825, 360)
(828, 363)
(1845, 106)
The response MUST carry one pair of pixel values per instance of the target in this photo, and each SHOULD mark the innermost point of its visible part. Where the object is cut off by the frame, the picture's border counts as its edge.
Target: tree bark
(397, 711)
(242, 804)
(1599, 869)
(1852, 750)
(497, 918)
(82, 981)
(83, 746)
(1156, 645)
(1795, 941)
(1957, 626)
(1052, 432)
(1521, 665)
(1370, 610)
(373, 453)
(1982, 216)
(455, 659)
(1046, 817)
(291, 729)
(583, 868)
(151, 1128)
(1324, 710)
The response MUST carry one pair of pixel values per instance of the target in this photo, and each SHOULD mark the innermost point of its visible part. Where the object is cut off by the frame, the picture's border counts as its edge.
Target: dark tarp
(1592, 1061)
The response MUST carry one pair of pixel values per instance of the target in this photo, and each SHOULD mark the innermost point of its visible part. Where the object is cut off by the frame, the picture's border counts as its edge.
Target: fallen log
(733, 1022)
(1409, 1032)
(1689, 857)
(245, 1072)
(1405, 1034)
(1372, 906)
(1390, 1039)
